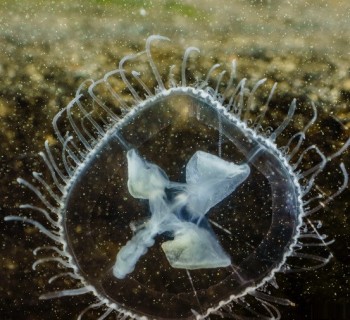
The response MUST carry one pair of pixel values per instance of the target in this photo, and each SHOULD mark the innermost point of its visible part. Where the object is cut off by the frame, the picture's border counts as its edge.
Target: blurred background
(47, 48)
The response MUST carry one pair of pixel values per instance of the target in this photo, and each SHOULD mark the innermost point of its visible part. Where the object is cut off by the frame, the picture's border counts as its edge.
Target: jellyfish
(171, 200)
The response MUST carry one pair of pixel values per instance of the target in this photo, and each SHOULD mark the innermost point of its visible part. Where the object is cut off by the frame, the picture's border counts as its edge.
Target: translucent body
(266, 207)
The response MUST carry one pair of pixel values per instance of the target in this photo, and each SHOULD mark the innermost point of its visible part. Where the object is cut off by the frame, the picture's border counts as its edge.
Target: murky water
(47, 49)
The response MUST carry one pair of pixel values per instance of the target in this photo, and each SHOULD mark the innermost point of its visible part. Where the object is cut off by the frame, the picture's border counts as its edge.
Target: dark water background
(48, 48)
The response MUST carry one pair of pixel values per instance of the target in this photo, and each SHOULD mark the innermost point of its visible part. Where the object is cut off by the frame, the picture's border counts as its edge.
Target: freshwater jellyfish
(172, 202)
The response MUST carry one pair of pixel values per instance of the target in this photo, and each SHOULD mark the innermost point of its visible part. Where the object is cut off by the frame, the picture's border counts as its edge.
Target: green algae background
(47, 48)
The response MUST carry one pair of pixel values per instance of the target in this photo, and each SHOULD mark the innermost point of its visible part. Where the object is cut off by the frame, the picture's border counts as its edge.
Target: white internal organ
(194, 247)
(209, 179)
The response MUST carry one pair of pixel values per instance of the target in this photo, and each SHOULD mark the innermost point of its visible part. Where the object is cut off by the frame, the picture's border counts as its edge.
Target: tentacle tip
(157, 37)
(164, 38)
(342, 166)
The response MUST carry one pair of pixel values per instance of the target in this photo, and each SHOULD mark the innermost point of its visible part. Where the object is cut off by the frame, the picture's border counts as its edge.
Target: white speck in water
(143, 12)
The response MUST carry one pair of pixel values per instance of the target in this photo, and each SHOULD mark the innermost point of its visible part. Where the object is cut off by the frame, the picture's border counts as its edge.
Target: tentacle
(106, 314)
(317, 235)
(36, 224)
(301, 137)
(172, 81)
(113, 116)
(251, 97)
(58, 132)
(64, 274)
(38, 194)
(231, 102)
(266, 297)
(302, 155)
(285, 122)
(322, 243)
(52, 171)
(240, 103)
(56, 259)
(136, 75)
(55, 125)
(315, 171)
(91, 306)
(340, 151)
(60, 252)
(122, 105)
(218, 84)
(53, 222)
(322, 262)
(69, 170)
(54, 196)
(125, 80)
(230, 81)
(72, 155)
(53, 162)
(206, 80)
(151, 61)
(258, 121)
(74, 126)
(184, 64)
(65, 293)
(274, 313)
(93, 140)
(88, 116)
(301, 134)
(305, 203)
(334, 195)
